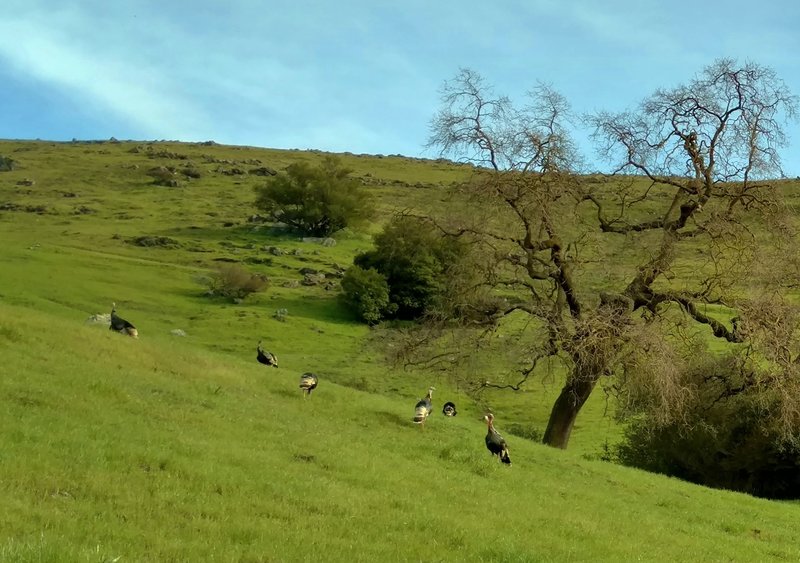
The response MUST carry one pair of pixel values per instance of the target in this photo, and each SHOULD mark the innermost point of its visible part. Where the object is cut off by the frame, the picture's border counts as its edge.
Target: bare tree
(586, 269)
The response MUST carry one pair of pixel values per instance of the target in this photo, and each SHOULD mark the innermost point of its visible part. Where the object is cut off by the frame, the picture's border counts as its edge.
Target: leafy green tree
(669, 239)
(414, 258)
(317, 200)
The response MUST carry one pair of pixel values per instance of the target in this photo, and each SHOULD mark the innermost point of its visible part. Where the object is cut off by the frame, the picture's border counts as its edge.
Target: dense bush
(235, 282)
(7, 164)
(414, 259)
(317, 200)
(367, 293)
(726, 438)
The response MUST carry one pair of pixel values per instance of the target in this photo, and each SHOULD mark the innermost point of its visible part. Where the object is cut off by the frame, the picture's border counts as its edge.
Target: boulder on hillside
(263, 171)
(164, 176)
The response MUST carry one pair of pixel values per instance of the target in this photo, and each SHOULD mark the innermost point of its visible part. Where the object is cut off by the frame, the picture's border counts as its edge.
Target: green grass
(160, 450)
(185, 449)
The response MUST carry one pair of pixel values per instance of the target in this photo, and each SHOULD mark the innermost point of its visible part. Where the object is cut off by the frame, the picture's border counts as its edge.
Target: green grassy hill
(171, 448)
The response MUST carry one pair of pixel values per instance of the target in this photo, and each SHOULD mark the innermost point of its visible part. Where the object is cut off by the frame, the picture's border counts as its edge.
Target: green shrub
(367, 293)
(192, 171)
(415, 260)
(234, 282)
(728, 437)
(7, 164)
(318, 201)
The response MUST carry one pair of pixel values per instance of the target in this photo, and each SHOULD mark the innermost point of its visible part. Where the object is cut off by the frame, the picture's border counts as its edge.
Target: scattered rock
(308, 271)
(40, 209)
(324, 241)
(258, 260)
(281, 314)
(263, 171)
(275, 251)
(192, 172)
(26, 182)
(154, 241)
(231, 171)
(313, 279)
(163, 176)
(177, 332)
(99, 319)
(166, 154)
(291, 284)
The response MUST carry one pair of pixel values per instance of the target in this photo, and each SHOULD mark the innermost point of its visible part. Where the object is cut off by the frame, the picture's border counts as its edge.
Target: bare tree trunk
(575, 393)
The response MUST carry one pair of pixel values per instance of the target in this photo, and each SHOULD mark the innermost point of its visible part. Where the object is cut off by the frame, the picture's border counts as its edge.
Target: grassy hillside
(172, 448)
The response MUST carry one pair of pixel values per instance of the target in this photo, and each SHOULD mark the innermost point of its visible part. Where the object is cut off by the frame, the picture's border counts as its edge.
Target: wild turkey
(495, 442)
(121, 325)
(308, 382)
(266, 358)
(449, 409)
(423, 408)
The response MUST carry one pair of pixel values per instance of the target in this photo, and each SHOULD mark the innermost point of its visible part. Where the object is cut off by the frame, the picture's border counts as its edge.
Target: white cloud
(57, 54)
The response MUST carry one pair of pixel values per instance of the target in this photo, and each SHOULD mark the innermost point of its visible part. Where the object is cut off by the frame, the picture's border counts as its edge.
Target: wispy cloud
(361, 75)
(48, 50)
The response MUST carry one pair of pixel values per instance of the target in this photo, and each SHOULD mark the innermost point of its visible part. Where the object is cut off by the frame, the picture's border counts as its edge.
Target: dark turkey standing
(266, 358)
(495, 442)
(121, 325)
(423, 408)
(308, 382)
(449, 409)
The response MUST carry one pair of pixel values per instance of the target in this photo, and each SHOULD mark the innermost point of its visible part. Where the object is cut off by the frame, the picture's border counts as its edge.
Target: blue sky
(353, 75)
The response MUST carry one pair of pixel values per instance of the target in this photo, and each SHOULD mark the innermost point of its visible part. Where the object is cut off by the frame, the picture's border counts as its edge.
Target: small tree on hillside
(234, 282)
(317, 200)
(587, 271)
(413, 261)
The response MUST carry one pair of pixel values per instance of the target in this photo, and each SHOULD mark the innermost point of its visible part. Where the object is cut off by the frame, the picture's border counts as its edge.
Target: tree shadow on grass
(393, 418)
(285, 392)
